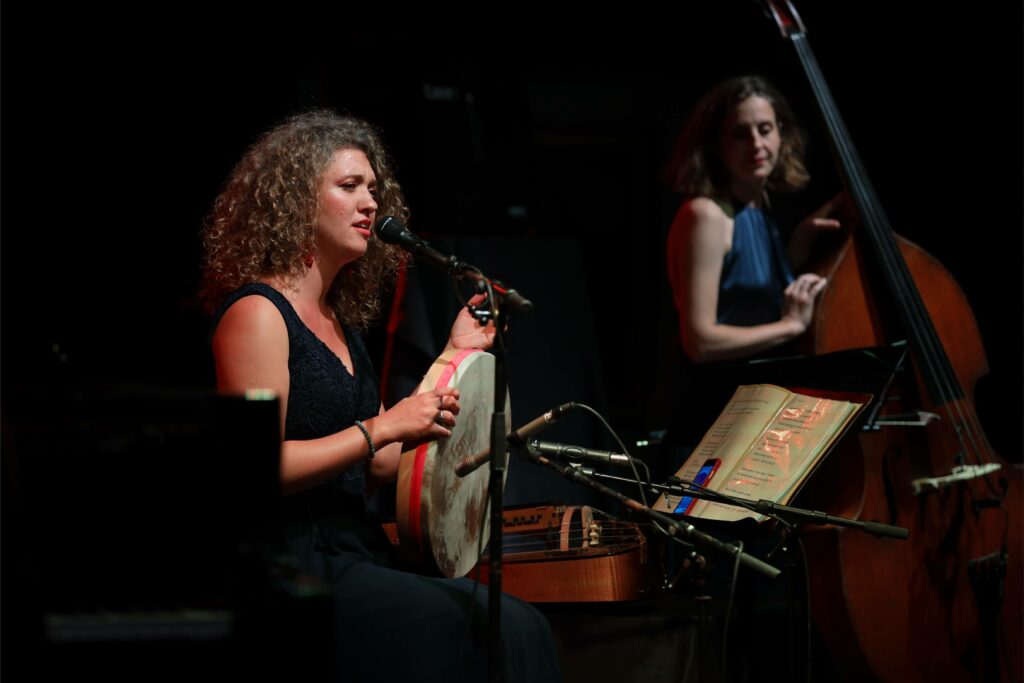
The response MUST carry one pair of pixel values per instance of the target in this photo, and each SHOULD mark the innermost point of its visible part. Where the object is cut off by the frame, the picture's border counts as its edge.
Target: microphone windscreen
(389, 229)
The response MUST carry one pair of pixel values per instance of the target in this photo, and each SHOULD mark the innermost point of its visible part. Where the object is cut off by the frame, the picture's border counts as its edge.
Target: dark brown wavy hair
(697, 168)
(264, 220)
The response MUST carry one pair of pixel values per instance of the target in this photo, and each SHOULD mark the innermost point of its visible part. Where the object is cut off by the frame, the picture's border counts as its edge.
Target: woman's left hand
(467, 333)
(819, 220)
(809, 228)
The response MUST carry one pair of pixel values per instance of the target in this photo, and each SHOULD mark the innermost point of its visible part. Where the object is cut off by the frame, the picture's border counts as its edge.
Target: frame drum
(443, 520)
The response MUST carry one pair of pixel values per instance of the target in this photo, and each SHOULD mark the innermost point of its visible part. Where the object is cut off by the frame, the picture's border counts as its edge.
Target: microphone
(518, 437)
(561, 450)
(391, 230)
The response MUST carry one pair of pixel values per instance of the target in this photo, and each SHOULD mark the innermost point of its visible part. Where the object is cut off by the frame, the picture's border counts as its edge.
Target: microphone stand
(790, 517)
(391, 230)
(787, 513)
(496, 488)
(500, 299)
(674, 527)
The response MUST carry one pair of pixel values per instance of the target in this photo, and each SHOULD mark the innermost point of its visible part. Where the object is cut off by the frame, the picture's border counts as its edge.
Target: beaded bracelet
(366, 433)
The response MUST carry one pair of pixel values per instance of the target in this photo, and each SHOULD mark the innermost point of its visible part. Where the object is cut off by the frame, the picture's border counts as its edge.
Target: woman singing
(294, 272)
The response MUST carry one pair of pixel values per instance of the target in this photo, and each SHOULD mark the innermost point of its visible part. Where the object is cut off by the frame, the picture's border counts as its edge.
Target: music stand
(870, 371)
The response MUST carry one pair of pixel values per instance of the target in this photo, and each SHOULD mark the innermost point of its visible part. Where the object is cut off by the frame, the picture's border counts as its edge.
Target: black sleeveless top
(330, 534)
(323, 398)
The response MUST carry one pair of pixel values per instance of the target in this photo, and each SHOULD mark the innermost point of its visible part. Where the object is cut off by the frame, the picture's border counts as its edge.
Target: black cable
(625, 451)
(728, 607)
(640, 484)
(632, 464)
(807, 603)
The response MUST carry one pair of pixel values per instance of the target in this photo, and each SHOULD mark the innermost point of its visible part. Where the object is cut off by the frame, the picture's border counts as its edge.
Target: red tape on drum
(442, 517)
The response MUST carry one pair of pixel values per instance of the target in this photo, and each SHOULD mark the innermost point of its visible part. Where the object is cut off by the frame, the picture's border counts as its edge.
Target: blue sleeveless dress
(389, 625)
(754, 273)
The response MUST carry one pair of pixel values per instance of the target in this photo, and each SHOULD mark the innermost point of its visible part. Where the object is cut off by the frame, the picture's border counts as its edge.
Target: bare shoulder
(251, 315)
(250, 347)
(250, 325)
(702, 211)
(702, 220)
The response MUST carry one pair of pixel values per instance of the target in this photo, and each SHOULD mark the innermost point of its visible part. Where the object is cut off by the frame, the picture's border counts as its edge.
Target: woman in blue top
(731, 279)
(734, 289)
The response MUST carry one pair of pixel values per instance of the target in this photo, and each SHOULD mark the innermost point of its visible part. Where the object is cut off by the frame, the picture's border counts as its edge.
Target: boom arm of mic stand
(674, 527)
(510, 298)
(794, 514)
(815, 517)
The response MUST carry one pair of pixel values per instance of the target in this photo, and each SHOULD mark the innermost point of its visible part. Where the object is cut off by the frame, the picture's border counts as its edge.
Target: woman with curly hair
(731, 279)
(293, 270)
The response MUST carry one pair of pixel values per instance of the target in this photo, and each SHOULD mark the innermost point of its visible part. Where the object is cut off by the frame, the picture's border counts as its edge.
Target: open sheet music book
(768, 440)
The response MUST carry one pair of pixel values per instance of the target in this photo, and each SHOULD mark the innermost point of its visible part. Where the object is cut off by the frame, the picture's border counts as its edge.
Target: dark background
(533, 146)
(116, 141)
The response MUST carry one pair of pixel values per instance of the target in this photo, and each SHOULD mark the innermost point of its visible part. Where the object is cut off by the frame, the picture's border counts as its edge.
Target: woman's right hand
(421, 417)
(798, 304)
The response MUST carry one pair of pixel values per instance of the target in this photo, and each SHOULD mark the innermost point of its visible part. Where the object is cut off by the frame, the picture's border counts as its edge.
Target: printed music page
(768, 440)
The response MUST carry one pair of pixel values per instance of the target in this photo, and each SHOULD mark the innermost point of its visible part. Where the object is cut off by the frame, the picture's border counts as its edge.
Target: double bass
(947, 604)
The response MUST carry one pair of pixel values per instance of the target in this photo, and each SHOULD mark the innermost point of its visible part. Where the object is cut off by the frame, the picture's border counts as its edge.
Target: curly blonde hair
(264, 221)
(697, 169)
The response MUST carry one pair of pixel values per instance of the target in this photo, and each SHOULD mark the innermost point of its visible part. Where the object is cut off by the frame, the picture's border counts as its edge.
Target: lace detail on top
(323, 396)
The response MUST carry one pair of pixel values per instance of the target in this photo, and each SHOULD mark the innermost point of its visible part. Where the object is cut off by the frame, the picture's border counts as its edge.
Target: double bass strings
(938, 372)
